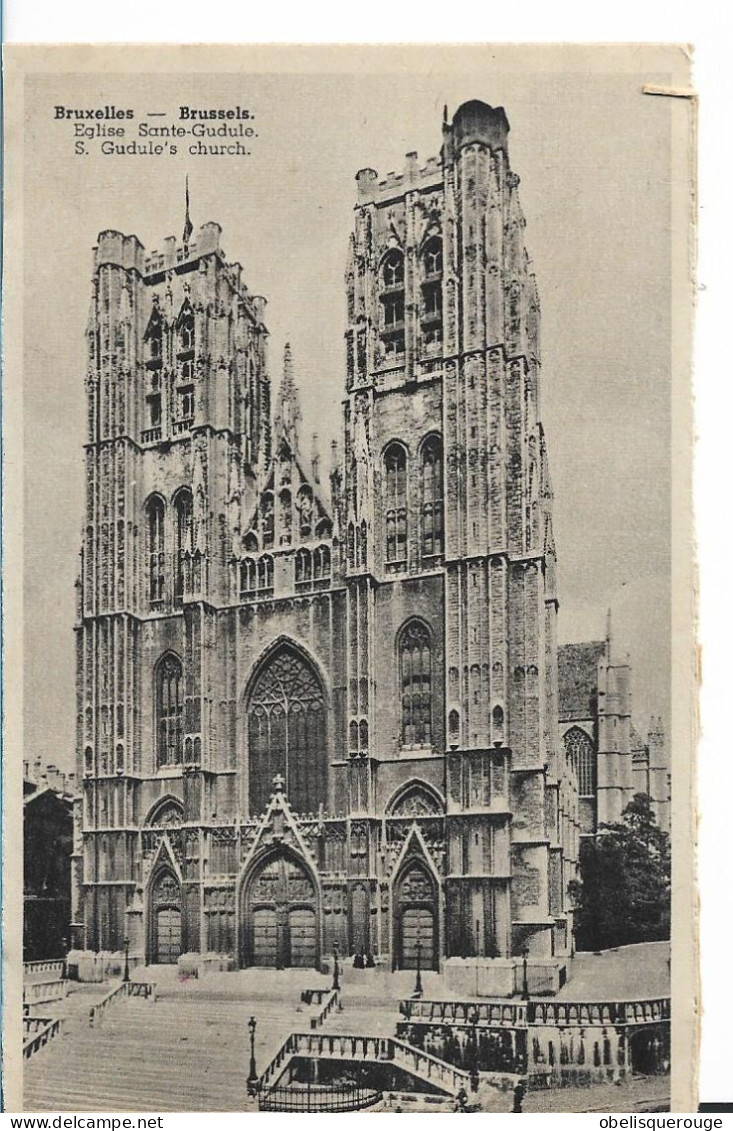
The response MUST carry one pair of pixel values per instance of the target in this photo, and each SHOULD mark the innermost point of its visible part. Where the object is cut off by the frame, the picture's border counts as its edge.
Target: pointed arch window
(186, 332)
(431, 314)
(286, 517)
(155, 521)
(321, 567)
(393, 302)
(395, 510)
(305, 511)
(153, 340)
(183, 505)
(287, 733)
(432, 496)
(169, 710)
(582, 757)
(303, 569)
(247, 578)
(415, 660)
(265, 576)
(267, 509)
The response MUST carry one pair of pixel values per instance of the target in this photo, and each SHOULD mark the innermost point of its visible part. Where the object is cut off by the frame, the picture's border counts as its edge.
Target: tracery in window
(183, 505)
(286, 517)
(303, 569)
(415, 662)
(579, 750)
(321, 565)
(393, 302)
(267, 511)
(169, 710)
(155, 516)
(186, 331)
(265, 575)
(431, 314)
(305, 511)
(432, 496)
(287, 733)
(395, 503)
(256, 577)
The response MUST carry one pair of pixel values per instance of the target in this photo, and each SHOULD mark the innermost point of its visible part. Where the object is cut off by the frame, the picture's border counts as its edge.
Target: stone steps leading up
(187, 1054)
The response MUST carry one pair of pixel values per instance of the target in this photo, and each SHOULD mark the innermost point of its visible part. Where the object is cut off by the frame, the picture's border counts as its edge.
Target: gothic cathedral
(320, 711)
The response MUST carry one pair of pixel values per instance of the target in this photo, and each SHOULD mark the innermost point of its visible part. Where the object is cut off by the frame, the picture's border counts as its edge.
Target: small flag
(188, 226)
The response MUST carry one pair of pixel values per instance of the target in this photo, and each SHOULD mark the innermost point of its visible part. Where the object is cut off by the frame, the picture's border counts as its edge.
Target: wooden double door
(416, 918)
(280, 917)
(165, 912)
(418, 925)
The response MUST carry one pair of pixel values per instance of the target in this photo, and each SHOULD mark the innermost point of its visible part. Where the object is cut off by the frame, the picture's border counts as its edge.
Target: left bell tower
(177, 435)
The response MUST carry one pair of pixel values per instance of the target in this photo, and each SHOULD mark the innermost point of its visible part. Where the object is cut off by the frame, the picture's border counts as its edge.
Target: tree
(623, 893)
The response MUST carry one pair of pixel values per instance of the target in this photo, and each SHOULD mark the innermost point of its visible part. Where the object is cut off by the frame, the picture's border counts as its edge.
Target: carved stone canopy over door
(280, 916)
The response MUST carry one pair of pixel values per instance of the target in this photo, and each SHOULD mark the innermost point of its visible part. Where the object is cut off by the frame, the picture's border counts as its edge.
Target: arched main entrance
(279, 915)
(165, 919)
(415, 918)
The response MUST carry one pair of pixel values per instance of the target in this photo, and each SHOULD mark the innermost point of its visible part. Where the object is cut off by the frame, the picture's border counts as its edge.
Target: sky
(594, 160)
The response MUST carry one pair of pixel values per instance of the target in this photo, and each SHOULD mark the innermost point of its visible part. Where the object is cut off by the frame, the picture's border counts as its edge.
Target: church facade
(320, 711)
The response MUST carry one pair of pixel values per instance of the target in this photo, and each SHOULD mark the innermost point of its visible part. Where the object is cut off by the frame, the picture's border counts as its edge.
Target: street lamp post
(126, 974)
(335, 985)
(252, 1078)
(418, 971)
(525, 983)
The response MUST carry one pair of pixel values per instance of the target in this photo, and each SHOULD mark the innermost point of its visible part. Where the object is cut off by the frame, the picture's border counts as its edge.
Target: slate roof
(577, 666)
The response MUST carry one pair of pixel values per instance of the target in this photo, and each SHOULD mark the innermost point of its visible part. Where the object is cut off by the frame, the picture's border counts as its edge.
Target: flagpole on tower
(188, 226)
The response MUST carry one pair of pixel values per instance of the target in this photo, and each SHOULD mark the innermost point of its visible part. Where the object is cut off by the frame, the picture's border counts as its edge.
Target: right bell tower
(500, 587)
(450, 564)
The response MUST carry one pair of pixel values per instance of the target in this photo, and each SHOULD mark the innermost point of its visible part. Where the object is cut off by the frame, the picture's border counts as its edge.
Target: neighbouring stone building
(48, 798)
(613, 761)
(319, 711)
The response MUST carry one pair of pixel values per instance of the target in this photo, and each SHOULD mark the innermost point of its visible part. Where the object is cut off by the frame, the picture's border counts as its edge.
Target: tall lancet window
(155, 512)
(287, 733)
(432, 496)
(267, 516)
(582, 756)
(169, 710)
(416, 684)
(183, 504)
(395, 503)
(393, 302)
(431, 315)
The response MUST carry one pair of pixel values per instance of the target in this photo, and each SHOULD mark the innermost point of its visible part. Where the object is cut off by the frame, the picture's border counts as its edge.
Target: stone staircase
(186, 1051)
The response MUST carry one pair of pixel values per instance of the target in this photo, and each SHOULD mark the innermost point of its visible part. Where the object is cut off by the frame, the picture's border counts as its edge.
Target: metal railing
(124, 990)
(42, 1037)
(308, 1097)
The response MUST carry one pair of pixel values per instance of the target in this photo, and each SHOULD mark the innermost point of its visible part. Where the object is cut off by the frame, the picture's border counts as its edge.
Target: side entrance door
(169, 935)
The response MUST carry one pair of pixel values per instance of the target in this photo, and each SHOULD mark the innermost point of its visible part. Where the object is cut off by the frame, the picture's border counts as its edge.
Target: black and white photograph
(350, 449)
